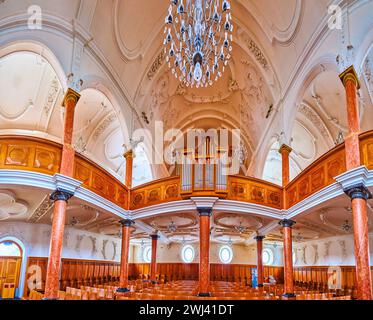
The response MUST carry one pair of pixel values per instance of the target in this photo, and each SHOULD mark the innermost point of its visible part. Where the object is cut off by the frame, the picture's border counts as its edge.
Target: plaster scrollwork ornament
(157, 63)
(66, 237)
(253, 48)
(327, 249)
(11, 207)
(342, 244)
(79, 239)
(103, 250)
(14, 117)
(52, 95)
(115, 245)
(304, 258)
(316, 257)
(318, 100)
(368, 75)
(105, 123)
(314, 118)
(94, 245)
(44, 207)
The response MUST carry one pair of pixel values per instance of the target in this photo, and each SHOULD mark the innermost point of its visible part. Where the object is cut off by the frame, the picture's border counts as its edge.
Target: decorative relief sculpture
(314, 118)
(79, 239)
(327, 248)
(316, 257)
(304, 254)
(10, 206)
(342, 244)
(45, 206)
(94, 245)
(103, 249)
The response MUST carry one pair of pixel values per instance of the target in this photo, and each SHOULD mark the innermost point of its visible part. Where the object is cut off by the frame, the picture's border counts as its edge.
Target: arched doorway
(11, 255)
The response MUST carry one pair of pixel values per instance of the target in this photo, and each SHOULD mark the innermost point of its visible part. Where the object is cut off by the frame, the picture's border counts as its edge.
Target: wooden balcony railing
(44, 156)
(38, 155)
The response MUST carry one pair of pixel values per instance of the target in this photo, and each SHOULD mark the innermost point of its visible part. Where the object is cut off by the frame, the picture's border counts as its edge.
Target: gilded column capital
(358, 191)
(154, 236)
(61, 195)
(350, 74)
(129, 154)
(71, 95)
(285, 148)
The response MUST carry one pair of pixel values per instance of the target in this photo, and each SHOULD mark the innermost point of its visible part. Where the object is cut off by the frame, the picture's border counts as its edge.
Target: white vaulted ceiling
(31, 99)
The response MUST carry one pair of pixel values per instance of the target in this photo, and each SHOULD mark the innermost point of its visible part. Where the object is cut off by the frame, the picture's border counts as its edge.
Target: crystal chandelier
(198, 36)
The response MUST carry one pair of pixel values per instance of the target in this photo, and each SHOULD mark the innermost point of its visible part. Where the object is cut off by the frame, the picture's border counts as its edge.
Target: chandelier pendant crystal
(198, 40)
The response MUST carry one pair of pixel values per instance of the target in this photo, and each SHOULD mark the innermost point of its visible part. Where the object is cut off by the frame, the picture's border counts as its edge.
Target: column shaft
(288, 258)
(260, 268)
(126, 235)
(361, 245)
(204, 253)
(153, 265)
(129, 167)
(358, 194)
(61, 197)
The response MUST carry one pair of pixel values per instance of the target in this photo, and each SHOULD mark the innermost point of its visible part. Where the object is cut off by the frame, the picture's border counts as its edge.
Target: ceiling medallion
(172, 227)
(197, 42)
(346, 226)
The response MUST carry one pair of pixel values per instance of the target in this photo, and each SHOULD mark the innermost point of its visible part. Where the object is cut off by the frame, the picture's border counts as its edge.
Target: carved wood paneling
(218, 272)
(317, 176)
(321, 275)
(75, 273)
(43, 156)
(30, 154)
(254, 191)
(156, 192)
(97, 180)
(366, 149)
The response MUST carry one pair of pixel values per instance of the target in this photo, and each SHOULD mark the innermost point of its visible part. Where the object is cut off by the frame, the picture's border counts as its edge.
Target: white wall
(172, 254)
(77, 244)
(334, 251)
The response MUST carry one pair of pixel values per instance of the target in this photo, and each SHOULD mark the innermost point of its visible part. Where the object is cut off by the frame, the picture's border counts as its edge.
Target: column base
(50, 299)
(289, 295)
(154, 282)
(260, 285)
(123, 290)
(203, 294)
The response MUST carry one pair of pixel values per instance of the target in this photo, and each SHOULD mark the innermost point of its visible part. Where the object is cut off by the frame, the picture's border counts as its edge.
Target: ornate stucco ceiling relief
(11, 207)
(175, 224)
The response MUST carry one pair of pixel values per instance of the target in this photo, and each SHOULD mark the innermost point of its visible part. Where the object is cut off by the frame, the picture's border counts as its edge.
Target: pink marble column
(204, 251)
(126, 236)
(129, 155)
(68, 152)
(351, 83)
(153, 265)
(285, 153)
(259, 251)
(288, 258)
(359, 195)
(61, 197)
(52, 283)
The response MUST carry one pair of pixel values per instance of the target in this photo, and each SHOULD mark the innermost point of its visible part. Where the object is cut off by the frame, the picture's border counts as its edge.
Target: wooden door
(9, 271)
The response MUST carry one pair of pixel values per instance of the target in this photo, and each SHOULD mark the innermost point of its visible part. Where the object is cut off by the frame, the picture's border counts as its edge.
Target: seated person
(272, 280)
